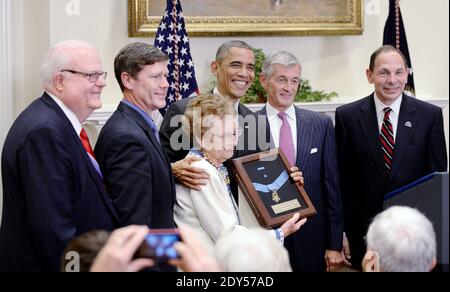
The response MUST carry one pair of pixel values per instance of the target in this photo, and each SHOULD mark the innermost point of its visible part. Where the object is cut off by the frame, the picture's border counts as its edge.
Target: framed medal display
(264, 179)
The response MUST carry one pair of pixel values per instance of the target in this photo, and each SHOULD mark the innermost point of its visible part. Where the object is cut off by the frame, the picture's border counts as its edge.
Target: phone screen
(158, 245)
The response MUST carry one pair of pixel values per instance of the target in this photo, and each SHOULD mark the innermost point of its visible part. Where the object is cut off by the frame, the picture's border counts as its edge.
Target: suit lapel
(145, 127)
(404, 133)
(267, 128)
(91, 169)
(304, 138)
(371, 132)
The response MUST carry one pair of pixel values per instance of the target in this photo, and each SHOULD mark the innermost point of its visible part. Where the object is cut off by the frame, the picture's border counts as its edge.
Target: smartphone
(158, 245)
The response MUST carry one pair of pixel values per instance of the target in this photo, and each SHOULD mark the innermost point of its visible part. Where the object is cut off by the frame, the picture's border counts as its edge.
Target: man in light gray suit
(307, 139)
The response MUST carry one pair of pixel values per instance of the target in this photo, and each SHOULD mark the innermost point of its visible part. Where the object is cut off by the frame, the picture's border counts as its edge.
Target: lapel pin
(408, 124)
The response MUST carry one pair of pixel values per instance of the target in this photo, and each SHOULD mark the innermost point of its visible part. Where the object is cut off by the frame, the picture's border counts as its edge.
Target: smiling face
(75, 90)
(221, 138)
(282, 85)
(389, 76)
(235, 72)
(149, 89)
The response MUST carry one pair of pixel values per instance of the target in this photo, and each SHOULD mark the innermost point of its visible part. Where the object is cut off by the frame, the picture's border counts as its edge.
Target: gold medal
(275, 197)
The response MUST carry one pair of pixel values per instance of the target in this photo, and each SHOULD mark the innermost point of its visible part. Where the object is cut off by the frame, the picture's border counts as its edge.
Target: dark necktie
(387, 139)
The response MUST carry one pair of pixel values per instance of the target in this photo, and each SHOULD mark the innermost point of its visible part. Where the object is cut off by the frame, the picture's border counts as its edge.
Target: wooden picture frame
(209, 18)
(264, 179)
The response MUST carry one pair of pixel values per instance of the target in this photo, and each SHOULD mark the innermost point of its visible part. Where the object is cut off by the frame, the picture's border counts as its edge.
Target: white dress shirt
(275, 124)
(395, 113)
(77, 127)
(69, 114)
(235, 104)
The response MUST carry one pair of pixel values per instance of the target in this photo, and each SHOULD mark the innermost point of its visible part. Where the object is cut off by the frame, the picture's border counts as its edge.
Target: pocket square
(314, 150)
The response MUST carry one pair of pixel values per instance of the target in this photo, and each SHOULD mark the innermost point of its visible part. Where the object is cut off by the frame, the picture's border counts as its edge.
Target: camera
(158, 245)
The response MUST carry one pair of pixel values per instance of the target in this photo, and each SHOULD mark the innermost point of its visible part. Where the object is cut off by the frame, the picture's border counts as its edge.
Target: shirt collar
(271, 111)
(235, 104)
(69, 114)
(146, 116)
(381, 106)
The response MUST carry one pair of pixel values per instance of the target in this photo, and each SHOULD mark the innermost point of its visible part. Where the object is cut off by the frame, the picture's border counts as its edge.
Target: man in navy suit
(307, 139)
(384, 142)
(52, 186)
(137, 172)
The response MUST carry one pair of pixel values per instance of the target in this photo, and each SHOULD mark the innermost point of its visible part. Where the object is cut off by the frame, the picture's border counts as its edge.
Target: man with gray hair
(52, 185)
(307, 139)
(400, 239)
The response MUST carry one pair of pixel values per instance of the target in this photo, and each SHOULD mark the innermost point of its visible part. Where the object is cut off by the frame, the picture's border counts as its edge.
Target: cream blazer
(211, 211)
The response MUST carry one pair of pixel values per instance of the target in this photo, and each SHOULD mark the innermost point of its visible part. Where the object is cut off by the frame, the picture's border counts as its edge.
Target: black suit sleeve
(332, 193)
(343, 146)
(49, 183)
(438, 150)
(126, 167)
(171, 126)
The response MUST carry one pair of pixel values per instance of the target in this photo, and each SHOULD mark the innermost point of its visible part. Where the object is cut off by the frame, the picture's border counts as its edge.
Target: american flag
(173, 40)
(395, 35)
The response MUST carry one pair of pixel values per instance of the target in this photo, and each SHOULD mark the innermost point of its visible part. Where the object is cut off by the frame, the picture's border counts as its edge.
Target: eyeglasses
(230, 136)
(92, 77)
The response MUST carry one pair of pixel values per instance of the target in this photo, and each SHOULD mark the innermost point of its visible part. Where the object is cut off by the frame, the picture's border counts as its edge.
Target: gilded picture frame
(289, 17)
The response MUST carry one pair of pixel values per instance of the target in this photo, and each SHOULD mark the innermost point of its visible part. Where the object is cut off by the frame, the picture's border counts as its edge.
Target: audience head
(87, 246)
(251, 250)
(211, 120)
(404, 240)
(72, 71)
(234, 69)
(280, 78)
(141, 71)
(388, 72)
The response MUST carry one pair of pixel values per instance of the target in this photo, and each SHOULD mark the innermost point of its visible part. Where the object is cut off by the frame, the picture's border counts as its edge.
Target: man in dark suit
(137, 173)
(53, 190)
(234, 69)
(307, 139)
(384, 141)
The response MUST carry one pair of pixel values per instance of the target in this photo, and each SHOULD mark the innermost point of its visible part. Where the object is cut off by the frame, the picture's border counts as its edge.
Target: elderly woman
(212, 210)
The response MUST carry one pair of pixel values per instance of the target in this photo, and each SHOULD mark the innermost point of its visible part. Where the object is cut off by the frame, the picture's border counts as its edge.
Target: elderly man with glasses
(52, 185)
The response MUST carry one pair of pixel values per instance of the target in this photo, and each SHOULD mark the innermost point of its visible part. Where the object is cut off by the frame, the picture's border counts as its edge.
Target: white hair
(58, 57)
(404, 239)
(251, 250)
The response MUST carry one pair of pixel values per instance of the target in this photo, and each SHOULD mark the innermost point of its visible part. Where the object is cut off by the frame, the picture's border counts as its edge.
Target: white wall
(6, 95)
(330, 63)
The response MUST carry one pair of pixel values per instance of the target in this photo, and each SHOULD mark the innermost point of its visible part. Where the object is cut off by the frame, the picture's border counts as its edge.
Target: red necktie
(387, 139)
(85, 142)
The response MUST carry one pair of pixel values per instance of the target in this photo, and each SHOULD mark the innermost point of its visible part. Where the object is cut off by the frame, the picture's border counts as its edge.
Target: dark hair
(225, 48)
(134, 57)
(385, 49)
(87, 246)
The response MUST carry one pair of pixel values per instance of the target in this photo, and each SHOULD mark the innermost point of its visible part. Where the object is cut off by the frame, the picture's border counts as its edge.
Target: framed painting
(252, 17)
